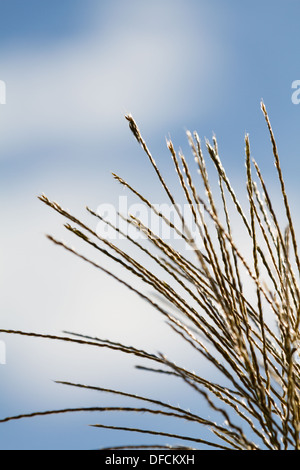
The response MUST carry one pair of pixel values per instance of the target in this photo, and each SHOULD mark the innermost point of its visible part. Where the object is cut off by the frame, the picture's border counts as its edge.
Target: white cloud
(137, 59)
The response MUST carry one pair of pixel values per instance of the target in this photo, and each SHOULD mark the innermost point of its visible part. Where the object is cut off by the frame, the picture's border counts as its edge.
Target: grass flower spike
(238, 309)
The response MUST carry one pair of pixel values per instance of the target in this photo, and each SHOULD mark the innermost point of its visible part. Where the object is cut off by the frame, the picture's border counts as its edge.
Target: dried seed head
(134, 128)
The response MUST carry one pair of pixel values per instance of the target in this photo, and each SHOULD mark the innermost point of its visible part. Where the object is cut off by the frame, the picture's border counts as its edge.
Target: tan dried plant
(252, 341)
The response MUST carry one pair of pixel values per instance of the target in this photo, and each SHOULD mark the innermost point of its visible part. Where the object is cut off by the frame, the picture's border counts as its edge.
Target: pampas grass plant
(239, 310)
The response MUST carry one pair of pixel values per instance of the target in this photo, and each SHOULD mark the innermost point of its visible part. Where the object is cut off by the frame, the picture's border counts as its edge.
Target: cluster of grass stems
(252, 341)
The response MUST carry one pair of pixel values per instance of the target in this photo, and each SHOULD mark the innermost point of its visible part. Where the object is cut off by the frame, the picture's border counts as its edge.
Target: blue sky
(72, 69)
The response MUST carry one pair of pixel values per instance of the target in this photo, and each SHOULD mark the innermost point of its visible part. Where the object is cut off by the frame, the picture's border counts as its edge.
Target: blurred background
(72, 70)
